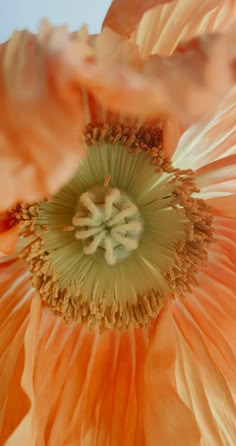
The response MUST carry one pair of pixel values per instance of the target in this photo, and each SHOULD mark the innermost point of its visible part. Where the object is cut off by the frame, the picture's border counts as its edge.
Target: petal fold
(15, 294)
(123, 16)
(83, 386)
(162, 28)
(206, 343)
(167, 419)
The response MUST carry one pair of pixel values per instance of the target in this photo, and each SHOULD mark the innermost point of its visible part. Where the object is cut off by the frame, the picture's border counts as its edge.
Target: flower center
(122, 237)
(106, 219)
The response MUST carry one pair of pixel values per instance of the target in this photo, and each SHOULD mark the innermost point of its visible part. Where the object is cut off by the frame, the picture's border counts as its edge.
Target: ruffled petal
(26, 431)
(15, 294)
(161, 29)
(206, 360)
(123, 16)
(8, 236)
(204, 388)
(41, 113)
(167, 420)
(86, 385)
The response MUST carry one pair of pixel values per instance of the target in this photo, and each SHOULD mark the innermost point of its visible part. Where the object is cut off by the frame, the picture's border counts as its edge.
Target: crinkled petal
(86, 385)
(123, 16)
(161, 29)
(15, 294)
(26, 432)
(206, 360)
(167, 420)
(41, 113)
(204, 388)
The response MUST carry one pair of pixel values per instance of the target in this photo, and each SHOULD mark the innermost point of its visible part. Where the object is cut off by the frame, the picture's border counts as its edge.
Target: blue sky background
(27, 14)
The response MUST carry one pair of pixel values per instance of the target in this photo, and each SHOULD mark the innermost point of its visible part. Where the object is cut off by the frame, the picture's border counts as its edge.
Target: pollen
(125, 235)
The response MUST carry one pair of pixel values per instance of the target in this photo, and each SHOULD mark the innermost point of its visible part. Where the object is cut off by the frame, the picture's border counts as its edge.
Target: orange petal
(161, 29)
(166, 417)
(124, 16)
(14, 307)
(40, 113)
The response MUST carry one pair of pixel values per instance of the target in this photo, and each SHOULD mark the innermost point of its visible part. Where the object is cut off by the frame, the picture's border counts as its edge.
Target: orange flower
(117, 308)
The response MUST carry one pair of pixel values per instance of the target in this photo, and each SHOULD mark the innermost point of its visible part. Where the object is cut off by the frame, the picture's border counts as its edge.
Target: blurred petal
(167, 419)
(124, 16)
(195, 79)
(183, 85)
(161, 29)
(40, 114)
(8, 236)
(15, 293)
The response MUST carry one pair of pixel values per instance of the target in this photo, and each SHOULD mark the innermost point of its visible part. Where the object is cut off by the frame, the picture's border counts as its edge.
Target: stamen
(109, 256)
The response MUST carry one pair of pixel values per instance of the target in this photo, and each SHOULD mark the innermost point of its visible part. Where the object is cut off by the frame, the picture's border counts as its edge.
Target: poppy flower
(117, 229)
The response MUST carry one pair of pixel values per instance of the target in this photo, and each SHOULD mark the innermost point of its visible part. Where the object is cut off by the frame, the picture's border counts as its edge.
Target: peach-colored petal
(14, 307)
(26, 431)
(40, 113)
(204, 388)
(224, 206)
(225, 234)
(162, 28)
(220, 172)
(86, 385)
(194, 78)
(124, 16)
(8, 236)
(206, 366)
(206, 142)
(184, 85)
(166, 417)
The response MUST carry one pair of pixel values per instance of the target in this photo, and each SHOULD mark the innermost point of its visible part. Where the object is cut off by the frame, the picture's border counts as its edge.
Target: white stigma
(107, 220)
